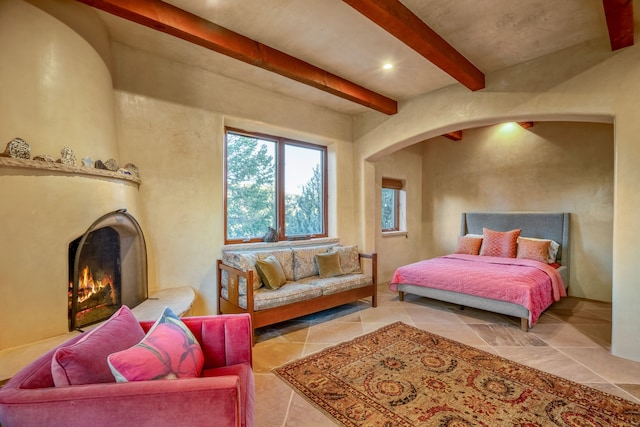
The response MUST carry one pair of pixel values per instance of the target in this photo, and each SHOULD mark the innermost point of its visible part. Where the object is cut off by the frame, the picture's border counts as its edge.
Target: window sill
(395, 234)
(282, 243)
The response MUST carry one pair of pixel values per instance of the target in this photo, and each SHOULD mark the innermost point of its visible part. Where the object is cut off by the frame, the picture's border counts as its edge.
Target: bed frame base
(494, 306)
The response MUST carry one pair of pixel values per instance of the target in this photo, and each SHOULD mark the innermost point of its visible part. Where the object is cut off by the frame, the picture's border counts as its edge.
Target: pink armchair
(222, 396)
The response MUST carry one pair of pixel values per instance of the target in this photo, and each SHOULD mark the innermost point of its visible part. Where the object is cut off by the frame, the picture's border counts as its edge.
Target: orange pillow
(537, 250)
(499, 243)
(468, 245)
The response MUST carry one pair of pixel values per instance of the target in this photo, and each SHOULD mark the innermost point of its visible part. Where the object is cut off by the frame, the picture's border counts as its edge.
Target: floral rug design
(403, 376)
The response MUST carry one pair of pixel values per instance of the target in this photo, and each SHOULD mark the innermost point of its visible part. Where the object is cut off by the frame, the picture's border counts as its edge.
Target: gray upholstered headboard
(542, 225)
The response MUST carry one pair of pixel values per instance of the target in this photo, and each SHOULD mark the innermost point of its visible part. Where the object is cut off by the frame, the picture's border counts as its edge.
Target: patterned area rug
(402, 376)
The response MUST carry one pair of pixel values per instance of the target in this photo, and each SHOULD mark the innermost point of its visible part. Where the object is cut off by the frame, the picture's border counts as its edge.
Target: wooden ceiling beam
(619, 15)
(398, 20)
(454, 136)
(526, 125)
(177, 22)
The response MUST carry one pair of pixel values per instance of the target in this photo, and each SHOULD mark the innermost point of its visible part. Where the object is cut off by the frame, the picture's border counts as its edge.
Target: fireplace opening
(107, 268)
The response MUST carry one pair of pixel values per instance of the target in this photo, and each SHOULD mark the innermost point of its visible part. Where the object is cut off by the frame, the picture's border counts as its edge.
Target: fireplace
(107, 269)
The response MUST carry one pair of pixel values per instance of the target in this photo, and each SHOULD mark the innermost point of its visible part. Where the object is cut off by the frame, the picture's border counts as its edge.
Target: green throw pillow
(271, 272)
(329, 264)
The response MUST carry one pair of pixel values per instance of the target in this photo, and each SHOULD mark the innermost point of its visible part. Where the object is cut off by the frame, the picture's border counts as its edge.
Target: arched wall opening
(596, 87)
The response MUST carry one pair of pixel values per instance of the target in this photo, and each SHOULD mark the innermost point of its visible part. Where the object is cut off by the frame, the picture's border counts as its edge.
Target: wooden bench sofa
(304, 292)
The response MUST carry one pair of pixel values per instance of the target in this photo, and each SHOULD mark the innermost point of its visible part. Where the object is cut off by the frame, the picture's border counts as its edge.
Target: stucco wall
(64, 83)
(55, 91)
(171, 125)
(395, 249)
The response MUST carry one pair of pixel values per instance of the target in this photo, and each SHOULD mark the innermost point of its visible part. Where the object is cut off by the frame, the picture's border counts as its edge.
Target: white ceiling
(492, 34)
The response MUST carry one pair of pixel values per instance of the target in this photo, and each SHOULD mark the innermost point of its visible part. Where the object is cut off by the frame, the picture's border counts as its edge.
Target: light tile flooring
(572, 340)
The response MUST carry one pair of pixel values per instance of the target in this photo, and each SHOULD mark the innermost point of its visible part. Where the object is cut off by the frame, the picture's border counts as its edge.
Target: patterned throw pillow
(244, 261)
(169, 350)
(329, 264)
(537, 250)
(271, 272)
(499, 243)
(349, 259)
(469, 245)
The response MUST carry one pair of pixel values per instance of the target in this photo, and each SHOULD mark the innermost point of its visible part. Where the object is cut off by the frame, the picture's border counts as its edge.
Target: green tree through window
(251, 179)
(273, 182)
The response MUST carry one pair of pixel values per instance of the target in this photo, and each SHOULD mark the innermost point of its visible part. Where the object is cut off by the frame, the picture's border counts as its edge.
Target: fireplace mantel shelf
(65, 169)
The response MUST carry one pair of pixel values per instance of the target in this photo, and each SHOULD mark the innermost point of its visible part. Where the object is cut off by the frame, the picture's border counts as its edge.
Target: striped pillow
(499, 243)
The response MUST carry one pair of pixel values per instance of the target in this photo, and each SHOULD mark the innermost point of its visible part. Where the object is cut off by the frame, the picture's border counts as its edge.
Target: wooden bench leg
(400, 295)
(524, 324)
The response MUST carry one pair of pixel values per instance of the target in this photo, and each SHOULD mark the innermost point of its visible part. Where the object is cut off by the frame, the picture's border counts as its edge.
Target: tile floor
(571, 340)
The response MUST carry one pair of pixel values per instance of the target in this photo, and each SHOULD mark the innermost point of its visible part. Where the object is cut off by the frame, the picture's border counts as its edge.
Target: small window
(391, 189)
(273, 182)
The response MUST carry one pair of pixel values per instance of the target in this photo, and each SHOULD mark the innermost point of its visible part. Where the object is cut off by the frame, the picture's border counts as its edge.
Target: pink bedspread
(529, 283)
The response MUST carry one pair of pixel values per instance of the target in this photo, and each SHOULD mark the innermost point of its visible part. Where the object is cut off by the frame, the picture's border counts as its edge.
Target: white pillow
(553, 248)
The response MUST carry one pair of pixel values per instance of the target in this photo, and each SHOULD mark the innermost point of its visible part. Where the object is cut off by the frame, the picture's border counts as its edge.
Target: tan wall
(585, 83)
(554, 166)
(396, 249)
(176, 138)
(57, 90)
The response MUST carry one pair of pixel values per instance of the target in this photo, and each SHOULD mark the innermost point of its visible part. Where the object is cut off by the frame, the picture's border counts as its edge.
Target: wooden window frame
(396, 185)
(281, 143)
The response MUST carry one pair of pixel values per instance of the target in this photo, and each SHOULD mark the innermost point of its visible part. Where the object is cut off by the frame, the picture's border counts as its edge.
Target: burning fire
(88, 286)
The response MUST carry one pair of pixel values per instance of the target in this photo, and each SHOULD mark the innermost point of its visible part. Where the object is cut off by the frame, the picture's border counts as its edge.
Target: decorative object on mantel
(132, 169)
(67, 157)
(87, 162)
(271, 235)
(17, 148)
(112, 165)
(44, 158)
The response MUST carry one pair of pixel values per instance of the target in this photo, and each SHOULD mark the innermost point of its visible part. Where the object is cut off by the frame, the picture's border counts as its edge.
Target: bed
(468, 286)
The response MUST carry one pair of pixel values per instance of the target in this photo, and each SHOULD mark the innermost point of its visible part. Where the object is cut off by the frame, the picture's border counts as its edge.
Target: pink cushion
(169, 350)
(468, 245)
(537, 250)
(85, 361)
(499, 243)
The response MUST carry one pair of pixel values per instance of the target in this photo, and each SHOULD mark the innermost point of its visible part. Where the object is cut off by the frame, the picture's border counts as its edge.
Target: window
(391, 192)
(273, 182)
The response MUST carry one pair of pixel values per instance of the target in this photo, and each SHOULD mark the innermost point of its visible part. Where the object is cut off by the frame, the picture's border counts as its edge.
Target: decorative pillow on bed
(499, 243)
(537, 250)
(552, 252)
(469, 245)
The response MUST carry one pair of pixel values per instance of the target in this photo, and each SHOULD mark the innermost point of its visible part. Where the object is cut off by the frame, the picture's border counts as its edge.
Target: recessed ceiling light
(387, 66)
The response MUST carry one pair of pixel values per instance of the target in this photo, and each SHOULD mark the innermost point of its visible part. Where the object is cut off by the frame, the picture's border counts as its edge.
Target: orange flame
(88, 287)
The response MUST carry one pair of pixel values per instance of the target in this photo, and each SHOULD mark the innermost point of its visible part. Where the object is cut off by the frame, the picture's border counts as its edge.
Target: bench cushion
(333, 285)
(289, 293)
